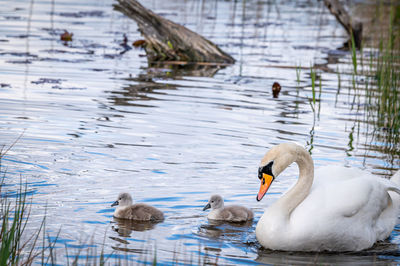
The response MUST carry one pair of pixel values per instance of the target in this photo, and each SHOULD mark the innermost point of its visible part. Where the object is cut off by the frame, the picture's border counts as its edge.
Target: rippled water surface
(96, 120)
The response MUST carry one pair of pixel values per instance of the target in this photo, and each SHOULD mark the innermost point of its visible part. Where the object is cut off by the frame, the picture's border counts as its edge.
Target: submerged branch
(352, 27)
(168, 41)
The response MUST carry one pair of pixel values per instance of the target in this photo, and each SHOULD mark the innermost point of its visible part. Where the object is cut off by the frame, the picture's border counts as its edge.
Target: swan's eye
(212, 201)
(120, 199)
(266, 169)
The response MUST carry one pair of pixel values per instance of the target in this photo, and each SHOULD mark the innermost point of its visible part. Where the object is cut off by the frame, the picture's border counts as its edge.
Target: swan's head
(215, 202)
(124, 199)
(273, 163)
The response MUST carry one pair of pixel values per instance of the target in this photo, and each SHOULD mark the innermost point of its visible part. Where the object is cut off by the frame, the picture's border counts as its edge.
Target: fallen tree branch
(168, 41)
(352, 27)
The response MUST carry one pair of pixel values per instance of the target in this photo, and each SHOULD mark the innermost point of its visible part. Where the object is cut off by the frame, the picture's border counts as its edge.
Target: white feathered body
(345, 210)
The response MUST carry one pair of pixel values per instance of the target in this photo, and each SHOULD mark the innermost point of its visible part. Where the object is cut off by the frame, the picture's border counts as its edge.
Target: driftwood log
(352, 27)
(168, 41)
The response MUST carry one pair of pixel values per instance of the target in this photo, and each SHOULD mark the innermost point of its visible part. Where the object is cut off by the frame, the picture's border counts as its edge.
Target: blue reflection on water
(158, 172)
(105, 210)
(170, 199)
(94, 222)
(5, 158)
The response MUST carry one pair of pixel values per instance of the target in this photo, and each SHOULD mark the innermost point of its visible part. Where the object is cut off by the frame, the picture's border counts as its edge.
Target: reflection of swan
(231, 231)
(138, 212)
(343, 210)
(380, 254)
(232, 213)
(125, 226)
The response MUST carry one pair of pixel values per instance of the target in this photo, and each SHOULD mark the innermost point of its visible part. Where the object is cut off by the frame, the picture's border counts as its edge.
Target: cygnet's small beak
(115, 204)
(207, 207)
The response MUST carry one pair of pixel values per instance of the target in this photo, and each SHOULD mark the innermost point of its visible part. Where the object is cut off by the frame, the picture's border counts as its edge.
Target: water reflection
(144, 89)
(125, 227)
(381, 254)
(229, 231)
(286, 258)
(181, 69)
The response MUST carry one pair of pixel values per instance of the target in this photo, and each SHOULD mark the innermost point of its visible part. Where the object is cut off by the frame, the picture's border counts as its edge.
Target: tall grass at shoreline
(374, 81)
(382, 103)
(14, 218)
(20, 247)
(17, 246)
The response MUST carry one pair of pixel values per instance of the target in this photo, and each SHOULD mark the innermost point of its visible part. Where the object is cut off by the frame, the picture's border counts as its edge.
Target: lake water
(95, 120)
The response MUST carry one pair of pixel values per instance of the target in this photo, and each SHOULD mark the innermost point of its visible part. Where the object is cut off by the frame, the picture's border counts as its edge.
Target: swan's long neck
(288, 202)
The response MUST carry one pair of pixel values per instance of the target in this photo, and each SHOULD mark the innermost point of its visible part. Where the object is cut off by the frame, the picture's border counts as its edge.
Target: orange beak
(266, 182)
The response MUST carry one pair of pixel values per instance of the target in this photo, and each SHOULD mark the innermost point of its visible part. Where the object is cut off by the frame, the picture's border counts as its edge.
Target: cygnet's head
(124, 199)
(215, 202)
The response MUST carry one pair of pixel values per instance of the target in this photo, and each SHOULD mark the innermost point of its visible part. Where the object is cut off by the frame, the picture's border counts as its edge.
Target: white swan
(343, 210)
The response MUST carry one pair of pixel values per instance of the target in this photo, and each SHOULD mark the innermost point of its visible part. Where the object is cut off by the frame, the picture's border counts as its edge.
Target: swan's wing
(390, 185)
(348, 190)
(138, 212)
(155, 214)
(348, 197)
(236, 213)
(336, 190)
(334, 174)
(357, 209)
(396, 178)
(143, 212)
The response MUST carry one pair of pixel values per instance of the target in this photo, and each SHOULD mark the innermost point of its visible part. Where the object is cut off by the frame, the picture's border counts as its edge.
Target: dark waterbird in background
(276, 88)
